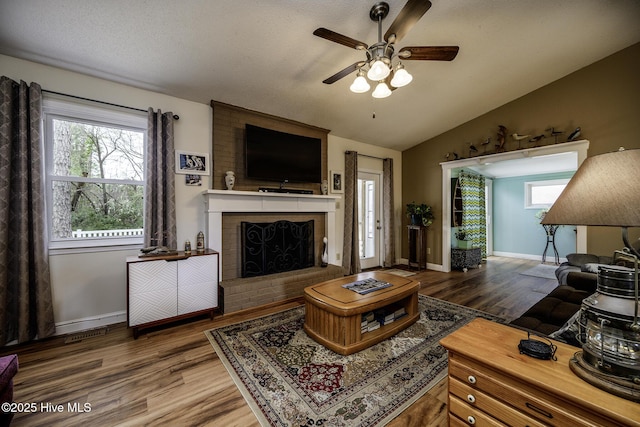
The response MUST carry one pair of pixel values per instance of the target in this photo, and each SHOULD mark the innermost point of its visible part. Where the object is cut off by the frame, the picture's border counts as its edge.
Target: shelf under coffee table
(333, 314)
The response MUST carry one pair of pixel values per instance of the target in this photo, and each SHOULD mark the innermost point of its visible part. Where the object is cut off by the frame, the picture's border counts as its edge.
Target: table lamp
(605, 191)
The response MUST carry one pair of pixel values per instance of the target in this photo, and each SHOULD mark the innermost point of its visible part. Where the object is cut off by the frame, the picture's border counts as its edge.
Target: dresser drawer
(475, 398)
(470, 416)
(515, 394)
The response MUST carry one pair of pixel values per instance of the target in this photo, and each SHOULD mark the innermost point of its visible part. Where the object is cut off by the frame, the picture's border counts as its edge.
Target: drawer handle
(538, 410)
(471, 420)
(471, 398)
(471, 379)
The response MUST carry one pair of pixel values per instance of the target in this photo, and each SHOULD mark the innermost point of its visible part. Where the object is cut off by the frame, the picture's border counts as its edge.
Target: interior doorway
(488, 208)
(370, 219)
(578, 147)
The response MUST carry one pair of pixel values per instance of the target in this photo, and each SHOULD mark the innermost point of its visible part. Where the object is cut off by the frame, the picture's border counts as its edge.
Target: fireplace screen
(276, 247)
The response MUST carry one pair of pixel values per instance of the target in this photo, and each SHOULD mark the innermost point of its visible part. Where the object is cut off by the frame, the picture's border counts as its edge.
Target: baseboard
(526, 256)
(436, 267)
(77, 325)
(430, 266)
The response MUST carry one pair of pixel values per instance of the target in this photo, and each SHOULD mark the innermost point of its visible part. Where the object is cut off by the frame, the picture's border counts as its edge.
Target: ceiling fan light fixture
(381, 91)
(378, 71)
(360, 84)
(401, 77)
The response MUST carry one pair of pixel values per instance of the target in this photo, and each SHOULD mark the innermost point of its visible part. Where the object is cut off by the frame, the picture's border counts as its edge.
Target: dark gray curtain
(160, 189)
(387, 206)
(26, 309)
(350, 246)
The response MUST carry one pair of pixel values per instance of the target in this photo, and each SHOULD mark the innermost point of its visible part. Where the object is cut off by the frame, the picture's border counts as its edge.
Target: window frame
(542, 183)
(57, 107)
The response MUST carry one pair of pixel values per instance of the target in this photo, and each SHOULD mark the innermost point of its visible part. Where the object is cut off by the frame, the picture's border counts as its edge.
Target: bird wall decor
(519, 138)
(502, 138)
(472, 149)
(574, 135)
(537, 138)
(554, 133)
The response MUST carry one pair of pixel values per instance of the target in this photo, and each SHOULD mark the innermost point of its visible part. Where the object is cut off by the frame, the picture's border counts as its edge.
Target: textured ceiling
(263, 55)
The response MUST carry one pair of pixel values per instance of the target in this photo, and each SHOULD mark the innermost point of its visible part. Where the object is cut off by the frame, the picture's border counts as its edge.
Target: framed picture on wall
(336, 182)
(190, 163)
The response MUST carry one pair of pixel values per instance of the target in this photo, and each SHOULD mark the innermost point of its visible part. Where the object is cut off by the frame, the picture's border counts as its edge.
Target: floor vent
(86, 334)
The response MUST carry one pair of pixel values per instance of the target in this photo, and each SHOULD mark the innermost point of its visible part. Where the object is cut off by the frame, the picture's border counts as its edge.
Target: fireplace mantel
(218, 202)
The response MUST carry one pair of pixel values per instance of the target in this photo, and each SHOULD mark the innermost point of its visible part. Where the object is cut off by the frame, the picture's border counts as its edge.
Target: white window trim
(59, 107)
(530, 184)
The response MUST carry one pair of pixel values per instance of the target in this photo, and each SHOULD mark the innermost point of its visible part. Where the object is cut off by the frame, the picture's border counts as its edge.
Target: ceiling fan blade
(406, 19)
(343, 73)
(339, 38)
(429, 53)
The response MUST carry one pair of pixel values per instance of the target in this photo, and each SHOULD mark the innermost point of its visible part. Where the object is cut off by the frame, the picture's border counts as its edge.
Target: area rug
(398, 272)
(542, 270)
(290, 380)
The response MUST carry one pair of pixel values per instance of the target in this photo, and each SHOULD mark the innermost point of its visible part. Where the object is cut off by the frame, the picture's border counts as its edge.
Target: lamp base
(611, 384)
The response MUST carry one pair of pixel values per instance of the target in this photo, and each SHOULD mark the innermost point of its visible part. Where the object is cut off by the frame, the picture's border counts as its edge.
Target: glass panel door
(369, 219)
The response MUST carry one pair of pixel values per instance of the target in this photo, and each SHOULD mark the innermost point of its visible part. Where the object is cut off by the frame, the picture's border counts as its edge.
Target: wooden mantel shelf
(240, 193)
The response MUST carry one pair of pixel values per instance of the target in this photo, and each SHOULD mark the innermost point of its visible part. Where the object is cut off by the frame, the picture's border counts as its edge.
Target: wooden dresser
(492, 384)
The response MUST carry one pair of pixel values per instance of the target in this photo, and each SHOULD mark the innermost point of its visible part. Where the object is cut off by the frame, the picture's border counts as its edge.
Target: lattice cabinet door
(197, 283)
(152, 291)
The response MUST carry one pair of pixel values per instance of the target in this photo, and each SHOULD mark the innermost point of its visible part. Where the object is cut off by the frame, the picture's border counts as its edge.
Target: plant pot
(416, 219)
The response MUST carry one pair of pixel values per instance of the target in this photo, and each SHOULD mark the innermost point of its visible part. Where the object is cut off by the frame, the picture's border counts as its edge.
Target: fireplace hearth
(276, 247)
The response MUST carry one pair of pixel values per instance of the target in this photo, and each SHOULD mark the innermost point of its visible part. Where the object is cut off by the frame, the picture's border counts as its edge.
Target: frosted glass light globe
(401, 77)
(378, 71)
(382, 91)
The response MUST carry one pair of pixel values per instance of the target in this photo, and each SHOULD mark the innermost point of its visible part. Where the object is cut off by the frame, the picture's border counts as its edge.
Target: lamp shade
(401, 77)
(381, 91)
(605, 191)
(378, 71)
(360, 84)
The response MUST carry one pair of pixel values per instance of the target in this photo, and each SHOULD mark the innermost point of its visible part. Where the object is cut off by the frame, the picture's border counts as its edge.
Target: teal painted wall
(516, 229)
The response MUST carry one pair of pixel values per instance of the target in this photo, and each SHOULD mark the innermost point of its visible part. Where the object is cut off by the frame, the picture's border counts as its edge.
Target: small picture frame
(192, 179)
(336, 182)
(189, 163)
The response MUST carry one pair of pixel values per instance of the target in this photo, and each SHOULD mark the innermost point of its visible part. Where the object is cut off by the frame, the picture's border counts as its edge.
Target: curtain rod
(175, 116)
(367, 155)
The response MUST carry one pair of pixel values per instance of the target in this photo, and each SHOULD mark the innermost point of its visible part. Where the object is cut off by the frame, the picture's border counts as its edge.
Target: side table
(465, 258)
(550, 231)
(417, 246)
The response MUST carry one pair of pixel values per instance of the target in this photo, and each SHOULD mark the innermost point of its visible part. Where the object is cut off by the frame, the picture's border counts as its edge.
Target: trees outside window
(95, 174)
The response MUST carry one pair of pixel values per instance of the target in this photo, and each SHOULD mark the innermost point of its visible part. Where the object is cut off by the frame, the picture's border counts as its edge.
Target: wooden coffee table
(333, 314)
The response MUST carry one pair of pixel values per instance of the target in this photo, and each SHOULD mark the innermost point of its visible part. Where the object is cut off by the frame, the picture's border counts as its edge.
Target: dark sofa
(551, 313)
(8, 369)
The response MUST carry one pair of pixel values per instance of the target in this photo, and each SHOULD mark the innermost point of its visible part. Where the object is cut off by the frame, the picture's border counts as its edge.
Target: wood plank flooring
(173, 376)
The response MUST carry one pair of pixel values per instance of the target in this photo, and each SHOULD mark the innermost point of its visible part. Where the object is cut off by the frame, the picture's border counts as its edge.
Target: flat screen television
(271, 155)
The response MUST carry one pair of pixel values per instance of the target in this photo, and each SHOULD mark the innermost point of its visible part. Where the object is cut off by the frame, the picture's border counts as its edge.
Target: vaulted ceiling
(263, 55)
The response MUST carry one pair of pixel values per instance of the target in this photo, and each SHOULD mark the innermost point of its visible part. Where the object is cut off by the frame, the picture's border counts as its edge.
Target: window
(543, 194)
(94, 174)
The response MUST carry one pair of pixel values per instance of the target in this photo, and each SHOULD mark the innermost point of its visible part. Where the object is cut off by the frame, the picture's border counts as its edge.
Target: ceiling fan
(380, 54)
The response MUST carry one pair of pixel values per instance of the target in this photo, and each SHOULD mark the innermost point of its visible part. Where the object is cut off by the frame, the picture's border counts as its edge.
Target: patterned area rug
(542, 270)
(290, 380)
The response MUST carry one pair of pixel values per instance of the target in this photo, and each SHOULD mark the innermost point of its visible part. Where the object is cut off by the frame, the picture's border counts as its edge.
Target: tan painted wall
(603, 99)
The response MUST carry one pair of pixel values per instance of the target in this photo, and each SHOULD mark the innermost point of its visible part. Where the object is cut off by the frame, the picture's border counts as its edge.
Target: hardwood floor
(173, 376)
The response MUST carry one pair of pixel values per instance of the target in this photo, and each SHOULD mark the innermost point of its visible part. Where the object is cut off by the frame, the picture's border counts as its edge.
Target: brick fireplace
(225, 210)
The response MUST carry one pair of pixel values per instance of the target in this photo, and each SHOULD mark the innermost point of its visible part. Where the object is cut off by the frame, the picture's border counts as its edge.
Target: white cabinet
(169, 288)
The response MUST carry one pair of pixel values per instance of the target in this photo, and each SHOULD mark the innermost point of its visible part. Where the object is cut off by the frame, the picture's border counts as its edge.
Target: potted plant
(420, 214)
(464, 242)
